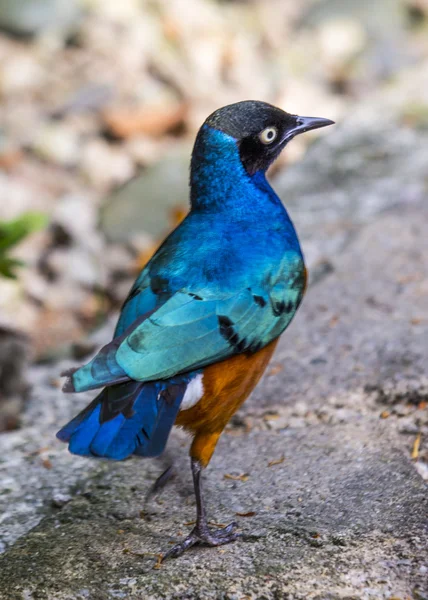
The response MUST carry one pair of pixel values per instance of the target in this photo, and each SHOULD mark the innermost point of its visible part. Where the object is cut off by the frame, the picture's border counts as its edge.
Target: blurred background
(100, 101)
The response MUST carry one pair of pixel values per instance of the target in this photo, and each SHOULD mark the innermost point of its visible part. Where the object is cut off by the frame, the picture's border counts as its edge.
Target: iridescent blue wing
(140, 301)
(195, 328)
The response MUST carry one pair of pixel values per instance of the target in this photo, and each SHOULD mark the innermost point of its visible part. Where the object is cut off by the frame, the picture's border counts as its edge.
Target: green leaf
(8, 266)
(12, 232)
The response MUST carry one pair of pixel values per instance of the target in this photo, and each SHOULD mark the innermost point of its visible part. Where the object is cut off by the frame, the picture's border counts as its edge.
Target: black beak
(306, 124)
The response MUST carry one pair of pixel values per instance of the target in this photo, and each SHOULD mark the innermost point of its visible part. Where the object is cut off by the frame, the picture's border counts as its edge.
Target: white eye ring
(268, 135)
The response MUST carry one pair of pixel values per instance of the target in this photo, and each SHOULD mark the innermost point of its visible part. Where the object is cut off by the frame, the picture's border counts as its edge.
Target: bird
(203, 318)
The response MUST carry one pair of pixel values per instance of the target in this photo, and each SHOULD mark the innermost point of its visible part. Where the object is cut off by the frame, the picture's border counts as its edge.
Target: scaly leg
(201, 534)
(160, 483)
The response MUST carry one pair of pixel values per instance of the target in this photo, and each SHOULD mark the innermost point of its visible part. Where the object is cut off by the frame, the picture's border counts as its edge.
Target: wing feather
(191, 329)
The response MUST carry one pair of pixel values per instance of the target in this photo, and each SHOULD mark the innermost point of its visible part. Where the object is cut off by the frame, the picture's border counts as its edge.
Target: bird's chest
(245, 254)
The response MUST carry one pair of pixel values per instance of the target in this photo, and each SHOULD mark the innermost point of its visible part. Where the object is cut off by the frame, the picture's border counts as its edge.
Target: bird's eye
(268, 135)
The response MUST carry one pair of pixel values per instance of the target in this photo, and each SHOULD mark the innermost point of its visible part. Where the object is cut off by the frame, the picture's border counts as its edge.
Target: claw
(228, 529)
(180, 548)
(203, 536)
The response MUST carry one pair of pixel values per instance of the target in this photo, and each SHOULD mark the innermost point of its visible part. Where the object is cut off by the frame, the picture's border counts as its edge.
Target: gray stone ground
(344, 515)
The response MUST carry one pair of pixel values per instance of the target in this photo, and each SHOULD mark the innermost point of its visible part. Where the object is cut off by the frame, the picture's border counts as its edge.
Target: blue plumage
(131, 418)
(250, 248)
(228, 280)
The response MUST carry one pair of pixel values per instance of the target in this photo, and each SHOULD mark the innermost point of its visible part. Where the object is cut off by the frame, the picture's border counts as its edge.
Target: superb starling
(202, 320)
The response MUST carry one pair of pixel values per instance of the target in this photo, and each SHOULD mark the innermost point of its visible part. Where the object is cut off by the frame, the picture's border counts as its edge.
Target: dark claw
(203, 536)
(228, 529)
(180, 548)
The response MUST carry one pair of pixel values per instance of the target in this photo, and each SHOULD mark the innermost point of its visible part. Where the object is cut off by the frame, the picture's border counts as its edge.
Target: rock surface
(344, 401)
(143, 204)
(343, 515)
(29, 17)
(14, 355)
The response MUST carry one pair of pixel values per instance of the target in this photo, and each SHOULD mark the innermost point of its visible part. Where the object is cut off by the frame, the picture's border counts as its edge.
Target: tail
(124, 419)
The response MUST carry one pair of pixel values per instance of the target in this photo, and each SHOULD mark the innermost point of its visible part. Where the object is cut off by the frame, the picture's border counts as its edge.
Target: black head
(261, 130)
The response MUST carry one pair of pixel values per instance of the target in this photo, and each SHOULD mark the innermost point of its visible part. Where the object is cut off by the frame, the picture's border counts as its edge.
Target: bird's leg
(201, 533)
(160, 483)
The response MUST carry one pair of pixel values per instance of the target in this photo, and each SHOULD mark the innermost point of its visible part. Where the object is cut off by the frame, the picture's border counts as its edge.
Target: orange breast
(226, 386)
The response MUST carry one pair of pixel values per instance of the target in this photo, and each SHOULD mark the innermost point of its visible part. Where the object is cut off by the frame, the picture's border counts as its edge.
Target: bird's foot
(204, 535)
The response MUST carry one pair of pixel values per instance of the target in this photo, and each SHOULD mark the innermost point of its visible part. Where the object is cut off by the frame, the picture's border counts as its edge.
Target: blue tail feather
(105, 435)
(81, 438)
(130, 418)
